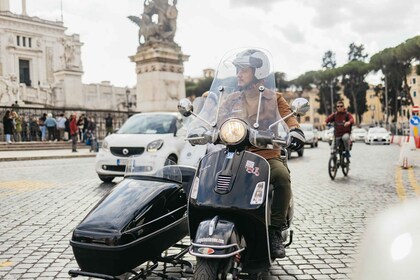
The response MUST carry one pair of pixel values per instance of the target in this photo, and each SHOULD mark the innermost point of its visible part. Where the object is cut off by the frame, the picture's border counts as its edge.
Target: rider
(343, 121)
(252, 67)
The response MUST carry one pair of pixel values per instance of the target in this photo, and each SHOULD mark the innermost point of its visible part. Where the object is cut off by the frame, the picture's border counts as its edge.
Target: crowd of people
(50, 128)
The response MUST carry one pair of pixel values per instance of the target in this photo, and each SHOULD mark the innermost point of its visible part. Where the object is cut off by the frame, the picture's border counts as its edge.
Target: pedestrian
(109, 125)
(73, 132)
(80, 124)
(91, 135)
(8, 126)
(51, 125)
(17, 125)
(42, 127)
(67, 130)
(33, 129)
(61, 126)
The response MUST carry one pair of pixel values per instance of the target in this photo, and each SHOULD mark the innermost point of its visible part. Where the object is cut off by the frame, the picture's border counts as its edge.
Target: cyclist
(342, 121)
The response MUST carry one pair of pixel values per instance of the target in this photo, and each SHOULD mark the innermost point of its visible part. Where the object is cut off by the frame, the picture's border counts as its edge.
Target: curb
(45, 157)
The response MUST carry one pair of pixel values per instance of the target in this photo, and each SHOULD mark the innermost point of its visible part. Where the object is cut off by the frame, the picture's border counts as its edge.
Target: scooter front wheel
(206, 269)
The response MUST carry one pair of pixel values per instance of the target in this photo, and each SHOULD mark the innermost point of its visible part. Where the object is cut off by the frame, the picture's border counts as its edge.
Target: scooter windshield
(243, 88)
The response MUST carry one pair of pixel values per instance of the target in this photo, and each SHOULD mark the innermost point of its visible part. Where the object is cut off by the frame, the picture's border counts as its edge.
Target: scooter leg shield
(215, 239)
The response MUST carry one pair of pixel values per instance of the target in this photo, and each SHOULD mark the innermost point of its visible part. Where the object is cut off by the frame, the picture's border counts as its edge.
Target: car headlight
(105, 145)
(233, 132)
(154, 146)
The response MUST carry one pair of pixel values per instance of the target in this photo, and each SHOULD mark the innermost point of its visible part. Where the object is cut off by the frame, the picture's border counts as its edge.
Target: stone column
(4, 6)
(160, 76)
(24, 8)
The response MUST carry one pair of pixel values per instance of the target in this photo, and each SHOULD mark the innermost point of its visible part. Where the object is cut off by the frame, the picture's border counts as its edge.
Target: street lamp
(332, 98)
(386, 99)
(128, 104)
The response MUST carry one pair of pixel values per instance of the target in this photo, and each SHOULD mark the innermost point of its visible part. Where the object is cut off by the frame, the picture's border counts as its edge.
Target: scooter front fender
(216, 239)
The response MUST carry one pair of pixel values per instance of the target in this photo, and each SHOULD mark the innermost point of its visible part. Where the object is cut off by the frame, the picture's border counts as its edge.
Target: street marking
(413, 181)
(6, 264)
(9, 188)
(399, 184)
(25, 185)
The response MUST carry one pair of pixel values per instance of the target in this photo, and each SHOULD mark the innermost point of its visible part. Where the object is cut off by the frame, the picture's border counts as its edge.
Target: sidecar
(139, 219)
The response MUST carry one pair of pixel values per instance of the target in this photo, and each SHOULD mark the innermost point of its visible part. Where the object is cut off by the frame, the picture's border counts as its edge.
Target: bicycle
(338, 159)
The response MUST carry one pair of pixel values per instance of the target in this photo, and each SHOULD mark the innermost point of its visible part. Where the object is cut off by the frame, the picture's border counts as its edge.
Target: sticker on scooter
(205, 251)
(258, 195)
(229, 155)
(211, 240)
(249, 167)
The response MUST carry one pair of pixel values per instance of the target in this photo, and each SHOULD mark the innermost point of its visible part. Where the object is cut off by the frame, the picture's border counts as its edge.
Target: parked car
(378, 135)
(318, 134)
(358, 134)
(299, 152)
(310, 135)
(150, 136)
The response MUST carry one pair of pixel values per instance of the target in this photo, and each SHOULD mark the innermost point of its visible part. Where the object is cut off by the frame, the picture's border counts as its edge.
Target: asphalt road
(41, 202)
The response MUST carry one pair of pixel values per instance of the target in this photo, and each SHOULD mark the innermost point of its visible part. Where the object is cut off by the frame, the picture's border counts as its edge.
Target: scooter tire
(206, 269)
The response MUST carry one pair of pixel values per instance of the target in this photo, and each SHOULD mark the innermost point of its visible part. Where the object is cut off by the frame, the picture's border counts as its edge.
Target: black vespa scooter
(230, 199)
(143, 215)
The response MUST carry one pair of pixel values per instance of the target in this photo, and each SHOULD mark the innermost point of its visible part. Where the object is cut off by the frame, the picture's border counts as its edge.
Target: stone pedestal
(160, 76)
(68, 89)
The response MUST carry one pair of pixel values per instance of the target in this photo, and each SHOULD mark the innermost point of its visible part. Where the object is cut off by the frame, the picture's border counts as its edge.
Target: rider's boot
(276, 243)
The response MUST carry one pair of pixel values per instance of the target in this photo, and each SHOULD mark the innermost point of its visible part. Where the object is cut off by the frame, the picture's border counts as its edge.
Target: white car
(378, 135)
(358, 134)
(152, 137)
(310, 136)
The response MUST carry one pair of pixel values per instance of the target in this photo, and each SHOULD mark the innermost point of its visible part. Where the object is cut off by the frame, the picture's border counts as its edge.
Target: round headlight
(233, 132)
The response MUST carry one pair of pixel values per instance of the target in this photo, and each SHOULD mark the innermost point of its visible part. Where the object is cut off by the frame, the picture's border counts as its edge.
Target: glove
(297, 139)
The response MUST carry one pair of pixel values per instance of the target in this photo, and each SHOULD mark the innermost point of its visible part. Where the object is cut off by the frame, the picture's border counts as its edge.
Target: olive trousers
(280, 179)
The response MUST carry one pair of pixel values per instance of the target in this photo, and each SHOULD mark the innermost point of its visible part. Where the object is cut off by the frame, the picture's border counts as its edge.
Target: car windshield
(149, 124)
(361, 130)
(378, 130)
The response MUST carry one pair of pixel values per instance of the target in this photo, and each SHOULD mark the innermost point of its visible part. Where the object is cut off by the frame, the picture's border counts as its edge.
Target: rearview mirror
(185, 107)
(300, 106)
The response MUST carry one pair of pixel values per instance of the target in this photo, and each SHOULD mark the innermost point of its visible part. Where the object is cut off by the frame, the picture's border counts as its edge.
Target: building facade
(40, 65)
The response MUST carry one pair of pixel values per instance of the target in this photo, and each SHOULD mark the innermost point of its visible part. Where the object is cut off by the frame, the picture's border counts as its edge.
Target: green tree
(281, 83)
(327, 83)
(353, 80)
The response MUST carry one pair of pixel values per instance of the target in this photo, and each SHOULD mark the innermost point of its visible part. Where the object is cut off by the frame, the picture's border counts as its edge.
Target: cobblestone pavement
(41, 201)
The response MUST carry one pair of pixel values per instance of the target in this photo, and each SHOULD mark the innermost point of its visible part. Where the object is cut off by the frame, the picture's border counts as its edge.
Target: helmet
(255, 59)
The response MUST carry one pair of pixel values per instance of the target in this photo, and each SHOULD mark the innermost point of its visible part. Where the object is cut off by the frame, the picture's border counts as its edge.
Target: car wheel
(312, 145)
(316, 145)
(106, 179)
(300, 153)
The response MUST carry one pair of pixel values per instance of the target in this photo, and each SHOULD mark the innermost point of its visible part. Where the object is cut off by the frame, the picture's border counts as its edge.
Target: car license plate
(121, 162)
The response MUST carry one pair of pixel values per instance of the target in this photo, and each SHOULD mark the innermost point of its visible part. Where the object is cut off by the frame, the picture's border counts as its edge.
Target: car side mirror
(185, 107)
(300, 106)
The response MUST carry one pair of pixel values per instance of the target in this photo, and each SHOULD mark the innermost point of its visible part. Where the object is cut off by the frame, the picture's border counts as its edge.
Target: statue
(68, 56)
(9, 85)
(165, 28)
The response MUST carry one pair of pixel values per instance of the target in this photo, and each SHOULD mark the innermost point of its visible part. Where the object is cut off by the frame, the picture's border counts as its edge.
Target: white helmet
(255, 59)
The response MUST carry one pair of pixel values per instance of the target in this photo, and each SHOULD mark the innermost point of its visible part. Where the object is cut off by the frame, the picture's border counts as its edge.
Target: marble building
(40, 65)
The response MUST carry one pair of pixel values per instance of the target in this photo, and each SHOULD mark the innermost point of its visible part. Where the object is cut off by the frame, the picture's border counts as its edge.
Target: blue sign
(415, 120)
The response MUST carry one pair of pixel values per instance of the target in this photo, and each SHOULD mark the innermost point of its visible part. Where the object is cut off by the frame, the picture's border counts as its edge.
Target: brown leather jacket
(252, 107)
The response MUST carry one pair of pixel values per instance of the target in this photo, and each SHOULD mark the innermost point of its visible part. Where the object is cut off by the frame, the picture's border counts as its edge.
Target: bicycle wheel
(332, 167)
(345, 165)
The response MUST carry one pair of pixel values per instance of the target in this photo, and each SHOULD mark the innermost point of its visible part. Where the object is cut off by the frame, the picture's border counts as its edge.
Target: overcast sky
(296, 32)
